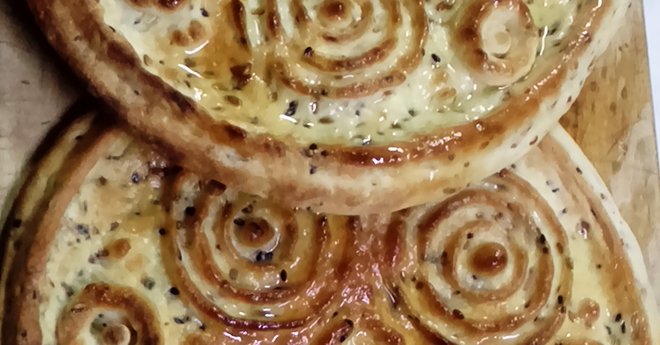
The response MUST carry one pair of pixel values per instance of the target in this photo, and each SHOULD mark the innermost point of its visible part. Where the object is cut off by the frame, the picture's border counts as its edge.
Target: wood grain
(612, 119)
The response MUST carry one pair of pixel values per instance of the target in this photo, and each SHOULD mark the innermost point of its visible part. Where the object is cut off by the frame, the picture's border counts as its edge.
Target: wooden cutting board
(612, 119)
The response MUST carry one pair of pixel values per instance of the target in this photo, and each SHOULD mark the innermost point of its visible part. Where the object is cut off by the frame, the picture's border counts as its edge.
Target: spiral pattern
(246, 262)
(498, 39)
(485, 263)
(338, 49)
(110, 315)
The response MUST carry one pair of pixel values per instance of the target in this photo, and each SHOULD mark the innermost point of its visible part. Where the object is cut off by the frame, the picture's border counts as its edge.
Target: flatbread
(111, 243)
(347, 106)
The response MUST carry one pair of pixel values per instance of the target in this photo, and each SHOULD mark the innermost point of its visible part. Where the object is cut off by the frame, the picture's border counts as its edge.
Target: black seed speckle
(291, 110)
(174, 291)
(264, 256)
(135, 178)
(283, 275)
(308, 52)
(204, 12)
(436, 59)
(190, 211)
(148, 283)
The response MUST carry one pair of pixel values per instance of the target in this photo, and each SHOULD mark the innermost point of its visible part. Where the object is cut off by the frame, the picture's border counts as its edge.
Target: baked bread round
(110, 244)
(338, 105)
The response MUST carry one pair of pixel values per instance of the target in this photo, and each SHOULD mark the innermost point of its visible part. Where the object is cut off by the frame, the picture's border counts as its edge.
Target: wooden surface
(612, 120)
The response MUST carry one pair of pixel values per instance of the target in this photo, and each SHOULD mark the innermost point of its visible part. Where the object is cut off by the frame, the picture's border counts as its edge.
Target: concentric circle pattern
(112, 244)
(484, 264)
(249, 263)
(348, 72)
(108, 314)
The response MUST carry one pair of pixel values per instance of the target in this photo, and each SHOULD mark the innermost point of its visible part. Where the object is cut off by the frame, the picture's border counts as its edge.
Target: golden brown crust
(336, 179)
(515, 254)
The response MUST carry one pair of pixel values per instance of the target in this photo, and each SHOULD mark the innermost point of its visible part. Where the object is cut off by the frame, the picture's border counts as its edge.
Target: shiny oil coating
(134, 251)
(349, 72)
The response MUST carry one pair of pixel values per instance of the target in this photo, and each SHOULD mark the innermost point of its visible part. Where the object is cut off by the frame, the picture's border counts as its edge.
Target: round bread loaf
(343, 106)
(110, 244)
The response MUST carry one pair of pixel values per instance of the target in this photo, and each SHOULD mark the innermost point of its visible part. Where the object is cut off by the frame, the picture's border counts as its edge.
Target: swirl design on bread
(249, 263)
(116, 314)
(386, 50)
(498, 39)
(337, 105)
(111, 243)
(489, 261)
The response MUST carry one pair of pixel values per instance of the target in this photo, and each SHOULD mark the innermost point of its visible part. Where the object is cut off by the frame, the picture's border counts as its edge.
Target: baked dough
(342, 105)
(108, 243)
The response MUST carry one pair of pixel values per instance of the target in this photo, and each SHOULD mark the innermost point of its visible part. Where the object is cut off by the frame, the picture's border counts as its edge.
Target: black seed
(264, 256)
(179, 320)
(312, 169)
(83, 230)
(205, 13)
(283, 275)
(313, 147)
(291, 110)
(162, 231)
(457, 314)
(617, 318)
(555, 190)
(135, 177)
(435, 57)
(542, 239)
(609, 330)
(190, 211)
(623, 327)
(148, 283)
(174, 291)
(239, 221)
(560, 299)
(470, 235)
(308, 52)
(17, 223)
(412, 112)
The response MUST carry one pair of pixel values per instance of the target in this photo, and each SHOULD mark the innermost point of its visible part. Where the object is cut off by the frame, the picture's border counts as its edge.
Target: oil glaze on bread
(341, 105)
(109, 243)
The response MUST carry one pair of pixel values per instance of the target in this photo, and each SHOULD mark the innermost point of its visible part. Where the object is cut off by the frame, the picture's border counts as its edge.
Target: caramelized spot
(118, 248)
(334, 9)
(489, 259)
